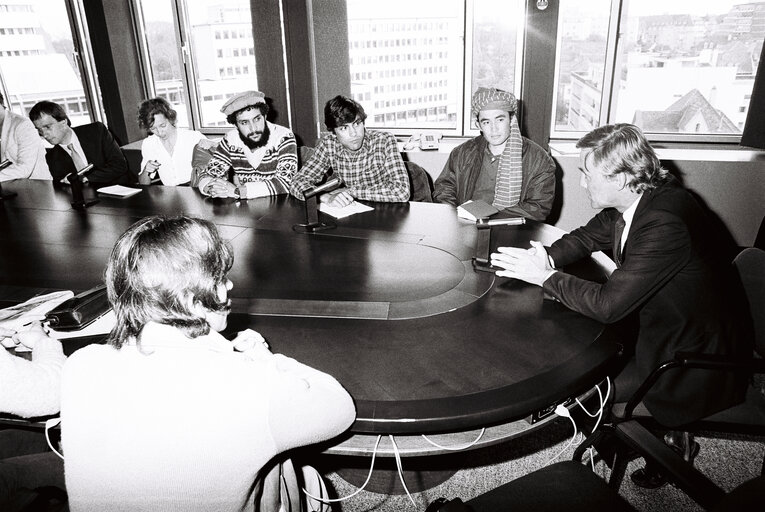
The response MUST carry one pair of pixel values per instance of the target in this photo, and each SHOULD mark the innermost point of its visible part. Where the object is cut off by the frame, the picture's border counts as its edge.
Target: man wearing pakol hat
(262, 155)
(367, 161)
(500, 166)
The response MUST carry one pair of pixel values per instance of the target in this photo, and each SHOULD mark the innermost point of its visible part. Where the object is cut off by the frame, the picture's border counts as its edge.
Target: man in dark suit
(673, 275)
(75, 148)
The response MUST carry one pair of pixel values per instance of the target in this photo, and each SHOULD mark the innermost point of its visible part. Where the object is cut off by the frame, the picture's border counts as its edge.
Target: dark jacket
(676, 278)
(101, 150)
(457, 181)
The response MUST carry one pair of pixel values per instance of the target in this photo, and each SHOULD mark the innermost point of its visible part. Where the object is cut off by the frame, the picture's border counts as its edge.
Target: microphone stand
(78, 197)
(311, 196)
(482, 260)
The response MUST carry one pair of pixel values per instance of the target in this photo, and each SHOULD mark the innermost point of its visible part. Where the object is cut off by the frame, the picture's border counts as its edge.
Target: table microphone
(312, 224)
(330, 184)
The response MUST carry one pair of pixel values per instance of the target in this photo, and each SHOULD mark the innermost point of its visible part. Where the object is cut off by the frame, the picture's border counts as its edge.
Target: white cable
(455, 448)
(371, 467)
(599, 414)
(561, 408)
(48, 425)
(401, 469)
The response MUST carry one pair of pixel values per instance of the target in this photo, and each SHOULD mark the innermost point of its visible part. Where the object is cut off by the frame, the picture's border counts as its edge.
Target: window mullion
(610, 70)
(139, 28)
(184, 44)
(84, 59)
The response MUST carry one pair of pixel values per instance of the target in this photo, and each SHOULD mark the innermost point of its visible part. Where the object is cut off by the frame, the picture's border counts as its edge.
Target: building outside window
(400, 46)
(672, 68)
(46, 56)
(209, 33)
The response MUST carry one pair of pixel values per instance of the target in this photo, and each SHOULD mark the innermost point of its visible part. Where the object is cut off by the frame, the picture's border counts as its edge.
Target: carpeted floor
(728, 462)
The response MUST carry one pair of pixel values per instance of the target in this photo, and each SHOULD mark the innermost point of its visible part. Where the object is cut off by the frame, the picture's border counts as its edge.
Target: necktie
(618, 230)
(78, 163)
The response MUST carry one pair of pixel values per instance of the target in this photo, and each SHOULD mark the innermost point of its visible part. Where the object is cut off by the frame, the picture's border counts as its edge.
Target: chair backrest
(750, 265)
(199, 158)
(304, 154)
(420, 183)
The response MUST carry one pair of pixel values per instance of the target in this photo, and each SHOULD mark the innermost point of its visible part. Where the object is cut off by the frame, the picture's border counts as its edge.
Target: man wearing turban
(500, 166)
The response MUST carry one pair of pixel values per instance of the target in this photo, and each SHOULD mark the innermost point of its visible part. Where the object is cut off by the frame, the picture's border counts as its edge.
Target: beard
(256, 144)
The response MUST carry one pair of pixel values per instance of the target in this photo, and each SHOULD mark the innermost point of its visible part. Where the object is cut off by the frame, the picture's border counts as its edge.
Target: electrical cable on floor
(599, 414)
(561, 410)
(48, 425)
(401, 469)
(455, 448)
(369, 475)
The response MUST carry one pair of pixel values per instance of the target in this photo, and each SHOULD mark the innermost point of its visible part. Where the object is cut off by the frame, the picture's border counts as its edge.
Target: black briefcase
(80, 311)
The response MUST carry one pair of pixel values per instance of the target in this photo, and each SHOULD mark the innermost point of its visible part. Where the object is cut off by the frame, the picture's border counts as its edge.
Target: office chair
(572, 486)
(631, 424)
(565, 485)
(304, 155)
(420, 183)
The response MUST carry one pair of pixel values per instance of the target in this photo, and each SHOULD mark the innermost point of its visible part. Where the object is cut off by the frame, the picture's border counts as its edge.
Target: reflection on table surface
(387, 301)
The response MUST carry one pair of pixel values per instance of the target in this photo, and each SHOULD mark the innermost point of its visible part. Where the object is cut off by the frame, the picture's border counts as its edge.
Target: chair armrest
(693, 360)
(715, 362)
(700, 488)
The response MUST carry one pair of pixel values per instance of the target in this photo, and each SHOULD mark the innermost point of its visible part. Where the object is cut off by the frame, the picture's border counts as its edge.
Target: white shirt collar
(628, 215)
(156, 336)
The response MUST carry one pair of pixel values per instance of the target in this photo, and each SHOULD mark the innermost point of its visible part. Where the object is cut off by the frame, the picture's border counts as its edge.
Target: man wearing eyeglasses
(367, 162)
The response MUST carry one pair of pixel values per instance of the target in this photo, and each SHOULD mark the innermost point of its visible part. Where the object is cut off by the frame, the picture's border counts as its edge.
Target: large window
(676, 69)
(45, 55)
(415, 65)
(198, 54)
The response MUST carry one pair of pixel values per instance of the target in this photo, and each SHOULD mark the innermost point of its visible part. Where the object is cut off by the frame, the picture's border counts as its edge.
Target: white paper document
(344, 211)
(119, 191)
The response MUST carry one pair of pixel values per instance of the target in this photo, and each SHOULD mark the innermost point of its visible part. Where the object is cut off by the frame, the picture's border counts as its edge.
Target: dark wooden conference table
(387, 302)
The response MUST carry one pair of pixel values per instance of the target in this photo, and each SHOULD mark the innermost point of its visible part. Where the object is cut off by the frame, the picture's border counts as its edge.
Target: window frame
(185, 49)
(82, 54)
(609, 95)
(464, 125)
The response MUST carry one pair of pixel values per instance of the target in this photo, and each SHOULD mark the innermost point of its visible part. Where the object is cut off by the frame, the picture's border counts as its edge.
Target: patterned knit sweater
(265, 171)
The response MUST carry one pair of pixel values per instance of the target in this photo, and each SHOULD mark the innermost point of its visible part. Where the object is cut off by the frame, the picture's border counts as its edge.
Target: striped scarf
(507, 191)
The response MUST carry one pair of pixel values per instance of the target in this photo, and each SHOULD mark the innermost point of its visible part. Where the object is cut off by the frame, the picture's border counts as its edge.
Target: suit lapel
(88, 142)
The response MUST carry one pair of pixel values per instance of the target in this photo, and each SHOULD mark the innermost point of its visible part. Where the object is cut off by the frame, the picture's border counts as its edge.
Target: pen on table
(4, 164)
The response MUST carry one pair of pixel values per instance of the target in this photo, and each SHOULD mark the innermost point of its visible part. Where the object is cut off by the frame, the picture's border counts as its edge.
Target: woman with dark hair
(170, 415)
(168, 149)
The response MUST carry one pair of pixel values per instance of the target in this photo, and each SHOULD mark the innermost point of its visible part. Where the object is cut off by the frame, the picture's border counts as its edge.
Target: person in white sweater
(170, 415)
(167, 151)
(29, 388)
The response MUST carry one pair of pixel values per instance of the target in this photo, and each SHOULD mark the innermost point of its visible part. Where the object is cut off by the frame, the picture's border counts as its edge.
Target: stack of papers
(475, 210)
(119, 191)
(21, 316)
(344, 211)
